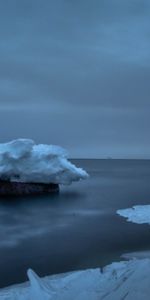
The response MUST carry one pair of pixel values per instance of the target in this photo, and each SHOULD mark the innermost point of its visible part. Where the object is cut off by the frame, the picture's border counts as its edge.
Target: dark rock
(8, 188)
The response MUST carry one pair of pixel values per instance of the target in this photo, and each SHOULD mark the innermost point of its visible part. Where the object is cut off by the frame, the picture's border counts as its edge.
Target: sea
(78, 228)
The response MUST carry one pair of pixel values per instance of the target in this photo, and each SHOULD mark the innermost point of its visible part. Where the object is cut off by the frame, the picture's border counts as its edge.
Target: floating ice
(139, 214)
(23, 161)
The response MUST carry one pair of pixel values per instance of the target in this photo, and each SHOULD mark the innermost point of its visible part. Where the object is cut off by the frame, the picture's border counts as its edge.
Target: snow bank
(23, 161)
(123, 280)
(139, 214)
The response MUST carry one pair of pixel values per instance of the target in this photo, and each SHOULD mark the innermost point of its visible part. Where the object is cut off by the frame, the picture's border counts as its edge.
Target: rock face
(8, 188)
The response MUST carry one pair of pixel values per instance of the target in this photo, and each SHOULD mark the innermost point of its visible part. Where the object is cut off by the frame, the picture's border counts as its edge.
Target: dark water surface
(78, 228)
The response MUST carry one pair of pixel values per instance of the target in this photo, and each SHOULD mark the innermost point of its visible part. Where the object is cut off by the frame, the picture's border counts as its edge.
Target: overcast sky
(76, 73)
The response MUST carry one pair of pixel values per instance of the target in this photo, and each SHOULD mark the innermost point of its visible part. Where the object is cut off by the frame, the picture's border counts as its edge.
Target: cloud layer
(76, 73)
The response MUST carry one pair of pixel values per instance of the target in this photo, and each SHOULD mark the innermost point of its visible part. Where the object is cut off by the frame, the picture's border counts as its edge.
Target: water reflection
(26, 217)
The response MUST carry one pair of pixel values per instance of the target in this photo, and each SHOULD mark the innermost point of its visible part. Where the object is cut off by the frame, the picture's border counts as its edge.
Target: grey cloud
(74, 69)
(97, 130)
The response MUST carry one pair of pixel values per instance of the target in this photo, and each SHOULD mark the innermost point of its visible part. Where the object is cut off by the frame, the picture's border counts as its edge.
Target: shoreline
(119, 280)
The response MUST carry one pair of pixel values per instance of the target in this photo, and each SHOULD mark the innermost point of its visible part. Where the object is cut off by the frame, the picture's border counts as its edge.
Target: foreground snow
(123, 280)
(139, 214)
(24, 161)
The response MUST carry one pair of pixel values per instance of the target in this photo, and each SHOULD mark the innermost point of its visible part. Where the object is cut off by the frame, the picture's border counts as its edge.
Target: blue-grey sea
(77, 228)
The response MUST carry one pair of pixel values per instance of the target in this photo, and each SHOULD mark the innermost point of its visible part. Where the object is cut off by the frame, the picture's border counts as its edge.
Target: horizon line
(112, 158)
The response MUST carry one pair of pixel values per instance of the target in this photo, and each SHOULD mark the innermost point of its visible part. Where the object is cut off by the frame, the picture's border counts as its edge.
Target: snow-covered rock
(122, 280)
(22, 160)
(139, 214)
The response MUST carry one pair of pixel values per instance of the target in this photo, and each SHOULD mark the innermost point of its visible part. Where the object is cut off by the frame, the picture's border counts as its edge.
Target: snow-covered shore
(22, 160)
(122, 280)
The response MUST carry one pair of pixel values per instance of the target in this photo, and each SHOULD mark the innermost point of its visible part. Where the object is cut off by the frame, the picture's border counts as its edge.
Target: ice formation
(23, 161)
(137, 254)
(139, 214)
(122, 280)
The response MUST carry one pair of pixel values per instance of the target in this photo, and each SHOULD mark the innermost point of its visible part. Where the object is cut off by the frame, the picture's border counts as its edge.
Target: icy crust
(139, 214)
(23, 161)
(123, 280)
(137, 255)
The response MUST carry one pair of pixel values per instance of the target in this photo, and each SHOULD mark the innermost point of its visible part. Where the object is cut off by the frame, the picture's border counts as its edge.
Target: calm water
(79, 227)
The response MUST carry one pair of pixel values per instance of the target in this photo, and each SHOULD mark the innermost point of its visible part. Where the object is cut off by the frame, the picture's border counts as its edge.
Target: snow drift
(22, 160)
(123, 280)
